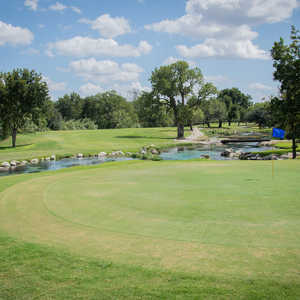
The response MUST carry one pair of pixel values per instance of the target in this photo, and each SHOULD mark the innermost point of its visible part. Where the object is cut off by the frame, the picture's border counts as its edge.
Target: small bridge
(244, 140)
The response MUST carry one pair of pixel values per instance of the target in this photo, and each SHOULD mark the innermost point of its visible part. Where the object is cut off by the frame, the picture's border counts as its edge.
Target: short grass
(164, 230)
(85, 141)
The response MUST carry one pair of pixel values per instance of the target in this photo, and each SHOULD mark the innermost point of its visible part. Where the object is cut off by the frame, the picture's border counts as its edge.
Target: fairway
(212, 217)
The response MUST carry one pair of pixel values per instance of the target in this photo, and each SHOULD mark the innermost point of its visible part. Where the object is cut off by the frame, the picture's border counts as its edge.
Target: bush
(84, 124)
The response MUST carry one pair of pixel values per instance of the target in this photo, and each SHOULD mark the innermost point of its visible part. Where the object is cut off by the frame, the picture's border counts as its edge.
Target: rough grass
(165, 230)
(64, 143)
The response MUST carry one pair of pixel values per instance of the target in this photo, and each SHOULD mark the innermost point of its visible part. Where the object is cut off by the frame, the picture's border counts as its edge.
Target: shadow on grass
(17, 146)
(143, 137)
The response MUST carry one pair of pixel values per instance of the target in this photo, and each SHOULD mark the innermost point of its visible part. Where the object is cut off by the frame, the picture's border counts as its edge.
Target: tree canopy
(286, 108)
(173, 85)
(22, 95)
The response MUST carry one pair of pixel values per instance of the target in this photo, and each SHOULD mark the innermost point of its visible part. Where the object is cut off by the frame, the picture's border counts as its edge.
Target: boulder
(102, 154)
(227, 152)
(52, 157)
(13, 163)
(79, 155)
(5, 164)
(154, 151)
(34, 161)
(24, 162)
(47, 158)
(205, 156)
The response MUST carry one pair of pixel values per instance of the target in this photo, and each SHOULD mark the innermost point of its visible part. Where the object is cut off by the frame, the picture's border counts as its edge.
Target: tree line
(179, 97)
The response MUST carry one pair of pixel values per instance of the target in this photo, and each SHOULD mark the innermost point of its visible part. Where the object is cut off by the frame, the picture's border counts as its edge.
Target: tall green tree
(70, 106)
(151, 112)
(235, 102)
(22, 94)
(173, 85)
(286, 61)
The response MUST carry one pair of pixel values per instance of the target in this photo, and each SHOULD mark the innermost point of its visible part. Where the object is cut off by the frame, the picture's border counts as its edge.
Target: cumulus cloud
(12, 35)
(129, 91)
(85, 46)
(172, 60)
(223, 48)
(57, 6)
(105, 71)
(90, 89)
(109, 27)
(225, 26)
(55, 86)
(31, 4)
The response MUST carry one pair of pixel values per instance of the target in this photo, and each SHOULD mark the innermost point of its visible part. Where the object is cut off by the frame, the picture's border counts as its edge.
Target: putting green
(213, 217)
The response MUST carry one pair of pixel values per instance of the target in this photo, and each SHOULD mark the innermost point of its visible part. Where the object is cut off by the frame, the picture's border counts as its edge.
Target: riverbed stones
(5, 164)
(79, 155)
(102, 154)
(52, 157)
(34, 161)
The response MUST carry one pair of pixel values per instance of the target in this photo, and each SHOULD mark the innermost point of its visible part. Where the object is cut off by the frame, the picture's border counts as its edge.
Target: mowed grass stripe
(23, 215)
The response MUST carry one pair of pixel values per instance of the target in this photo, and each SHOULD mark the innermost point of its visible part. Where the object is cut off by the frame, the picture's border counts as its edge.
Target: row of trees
(179, 97)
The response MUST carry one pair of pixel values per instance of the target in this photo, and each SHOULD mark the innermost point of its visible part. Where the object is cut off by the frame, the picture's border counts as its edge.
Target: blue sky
(96, 45)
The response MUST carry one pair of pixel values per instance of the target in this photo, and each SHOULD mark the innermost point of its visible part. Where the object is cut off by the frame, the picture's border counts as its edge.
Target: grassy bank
(152, 230)
(64, 143)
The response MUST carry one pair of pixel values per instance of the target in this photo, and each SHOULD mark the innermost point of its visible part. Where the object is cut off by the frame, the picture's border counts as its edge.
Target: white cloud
(31, 4)
(225, 26)
(172, 60)
(105, 71)
(90, 89)
(109, 27)
(129, 91)
(55, 86)
(76, 9)
(223, 48)
(57, 7)
(12, 35)
(85, 46)
(260, 87)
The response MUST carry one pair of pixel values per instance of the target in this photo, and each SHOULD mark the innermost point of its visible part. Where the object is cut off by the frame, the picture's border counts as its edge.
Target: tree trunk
(294, 148)
(180, 131)
(14, 137)
(208, 124)
(220, 124)
(191, 127)
(229, 123)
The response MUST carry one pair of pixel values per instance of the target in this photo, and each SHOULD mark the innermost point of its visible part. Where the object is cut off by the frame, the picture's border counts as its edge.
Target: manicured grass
(85, 141)
(193, 229)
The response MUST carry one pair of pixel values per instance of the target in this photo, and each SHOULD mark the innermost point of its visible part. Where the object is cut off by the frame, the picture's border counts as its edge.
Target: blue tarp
(278, 133)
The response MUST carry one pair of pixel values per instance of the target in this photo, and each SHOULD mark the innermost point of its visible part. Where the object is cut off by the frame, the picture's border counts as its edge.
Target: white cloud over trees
(14, 35)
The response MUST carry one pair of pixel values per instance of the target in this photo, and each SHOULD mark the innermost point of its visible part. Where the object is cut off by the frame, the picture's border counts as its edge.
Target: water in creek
(60, 164)
(214, 152)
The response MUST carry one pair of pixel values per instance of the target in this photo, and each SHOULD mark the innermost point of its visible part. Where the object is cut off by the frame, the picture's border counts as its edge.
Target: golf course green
(142, 229)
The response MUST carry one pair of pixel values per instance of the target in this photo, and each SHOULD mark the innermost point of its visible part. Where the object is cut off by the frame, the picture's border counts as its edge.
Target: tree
(286, 61)
(151, 112)
(22, 94)
(173, 85)
(260, 114)
(218, 111)
(70, 106)
(109, 110)
(235, 101)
